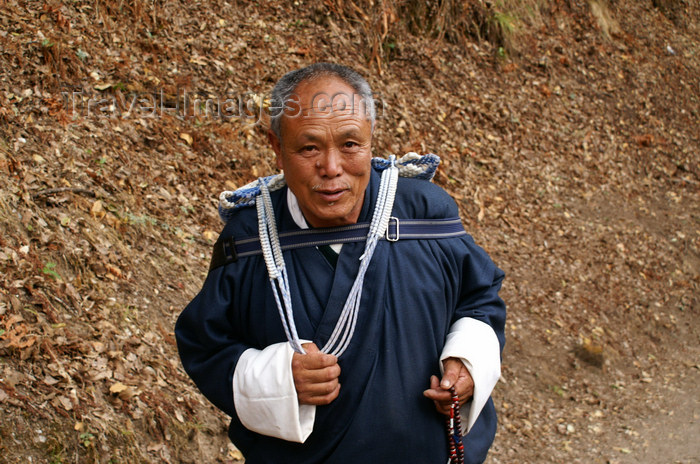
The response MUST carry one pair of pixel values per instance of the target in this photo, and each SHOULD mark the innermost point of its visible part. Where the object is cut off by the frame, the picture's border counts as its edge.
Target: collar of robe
(274, 261)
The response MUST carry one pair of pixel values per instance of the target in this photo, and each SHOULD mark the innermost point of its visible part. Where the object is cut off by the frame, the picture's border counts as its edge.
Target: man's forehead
(315, 125)
(320, 102)
(318, 127)
(312, 97)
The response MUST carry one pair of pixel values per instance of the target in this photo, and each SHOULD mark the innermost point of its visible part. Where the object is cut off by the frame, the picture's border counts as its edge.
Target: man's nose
(332, 164)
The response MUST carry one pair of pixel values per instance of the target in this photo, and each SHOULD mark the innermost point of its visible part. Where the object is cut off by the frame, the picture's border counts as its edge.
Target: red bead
(454, 431)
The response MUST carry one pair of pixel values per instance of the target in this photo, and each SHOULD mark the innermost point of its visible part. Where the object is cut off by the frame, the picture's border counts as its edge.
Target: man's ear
(275, 143)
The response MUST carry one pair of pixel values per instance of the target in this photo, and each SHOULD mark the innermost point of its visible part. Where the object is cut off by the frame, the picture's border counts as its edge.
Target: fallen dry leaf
(187, 138)
(117, 388)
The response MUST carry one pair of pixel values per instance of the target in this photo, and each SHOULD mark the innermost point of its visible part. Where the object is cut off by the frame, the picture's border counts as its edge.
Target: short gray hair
(285, 87)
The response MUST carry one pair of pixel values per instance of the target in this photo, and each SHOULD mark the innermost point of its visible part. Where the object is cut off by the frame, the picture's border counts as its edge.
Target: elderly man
(345, 299)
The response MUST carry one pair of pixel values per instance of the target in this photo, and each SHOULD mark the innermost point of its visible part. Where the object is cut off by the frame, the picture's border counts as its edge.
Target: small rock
(590, 353)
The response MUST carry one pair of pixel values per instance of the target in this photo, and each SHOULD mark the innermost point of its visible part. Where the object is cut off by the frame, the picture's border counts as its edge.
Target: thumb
(451, 374)
(310, 348)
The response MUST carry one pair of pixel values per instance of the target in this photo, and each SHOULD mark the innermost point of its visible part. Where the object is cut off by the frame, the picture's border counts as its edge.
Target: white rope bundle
(345, 327)
(274, 261)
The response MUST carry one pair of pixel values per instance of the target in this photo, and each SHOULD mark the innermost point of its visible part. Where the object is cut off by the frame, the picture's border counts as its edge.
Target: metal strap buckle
(229, 249)
(388, 227)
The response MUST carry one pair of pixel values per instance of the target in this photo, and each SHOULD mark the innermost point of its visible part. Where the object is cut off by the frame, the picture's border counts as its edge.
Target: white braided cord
(345, 327)
(274, 261)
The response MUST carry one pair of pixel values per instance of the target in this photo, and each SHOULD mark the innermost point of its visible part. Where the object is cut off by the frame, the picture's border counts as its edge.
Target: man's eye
(350, 144)
(309, 148)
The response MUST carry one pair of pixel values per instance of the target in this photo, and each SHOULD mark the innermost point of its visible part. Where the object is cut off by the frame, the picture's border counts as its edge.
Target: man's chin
(331, 215)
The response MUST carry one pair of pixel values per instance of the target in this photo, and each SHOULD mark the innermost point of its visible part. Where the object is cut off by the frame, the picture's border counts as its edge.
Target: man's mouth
(331, 195)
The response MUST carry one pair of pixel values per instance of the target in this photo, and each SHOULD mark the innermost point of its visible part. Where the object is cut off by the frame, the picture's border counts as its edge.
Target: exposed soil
(573, 152)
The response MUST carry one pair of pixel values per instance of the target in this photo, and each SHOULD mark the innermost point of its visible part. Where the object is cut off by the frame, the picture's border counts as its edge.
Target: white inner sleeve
(476, 344)
(265, 397)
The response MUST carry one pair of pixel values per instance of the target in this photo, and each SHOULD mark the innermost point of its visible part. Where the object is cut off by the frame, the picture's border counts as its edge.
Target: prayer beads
(454, 431)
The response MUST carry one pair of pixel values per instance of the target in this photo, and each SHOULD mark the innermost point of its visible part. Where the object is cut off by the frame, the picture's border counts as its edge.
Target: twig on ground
(54, 191)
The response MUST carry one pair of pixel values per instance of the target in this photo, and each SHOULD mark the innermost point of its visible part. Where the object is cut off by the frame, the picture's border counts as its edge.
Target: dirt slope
(574, 156)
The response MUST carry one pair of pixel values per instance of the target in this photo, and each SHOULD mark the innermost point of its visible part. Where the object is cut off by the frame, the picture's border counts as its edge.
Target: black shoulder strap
(228, 249)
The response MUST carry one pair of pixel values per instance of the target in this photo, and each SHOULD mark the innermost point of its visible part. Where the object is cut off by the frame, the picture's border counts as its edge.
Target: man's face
(325, 151)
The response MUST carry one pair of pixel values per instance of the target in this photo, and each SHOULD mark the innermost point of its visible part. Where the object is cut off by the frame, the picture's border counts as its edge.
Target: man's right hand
(315, 376)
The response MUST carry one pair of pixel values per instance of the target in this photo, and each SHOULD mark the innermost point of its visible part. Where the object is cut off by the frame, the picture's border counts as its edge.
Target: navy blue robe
(414, 290)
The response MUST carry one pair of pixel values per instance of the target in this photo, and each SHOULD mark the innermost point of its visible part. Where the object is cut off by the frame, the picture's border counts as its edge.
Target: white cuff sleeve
(265, 397)
(476, 344)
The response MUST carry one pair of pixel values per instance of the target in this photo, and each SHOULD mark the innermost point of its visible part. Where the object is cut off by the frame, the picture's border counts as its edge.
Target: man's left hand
(455, 374)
